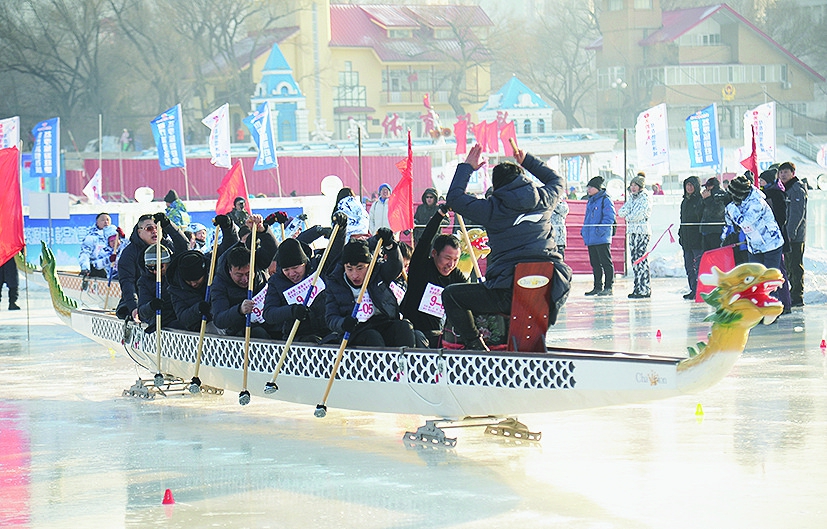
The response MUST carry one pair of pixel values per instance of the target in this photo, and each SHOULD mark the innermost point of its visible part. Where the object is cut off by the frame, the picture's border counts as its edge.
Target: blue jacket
(600, 216)
(517, 218)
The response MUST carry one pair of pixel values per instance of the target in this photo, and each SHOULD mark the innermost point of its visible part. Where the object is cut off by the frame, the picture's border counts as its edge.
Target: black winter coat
(131, 265)
(689, 234)
(712, 215)
(517, 218)
(340, 299)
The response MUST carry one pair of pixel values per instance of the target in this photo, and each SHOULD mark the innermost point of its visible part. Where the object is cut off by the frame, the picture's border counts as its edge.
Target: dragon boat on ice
(489, 387)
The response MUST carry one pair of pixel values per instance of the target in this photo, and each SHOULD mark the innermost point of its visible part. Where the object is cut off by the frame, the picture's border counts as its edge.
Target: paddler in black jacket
(517, 218)
(131, 260)
(432, 268)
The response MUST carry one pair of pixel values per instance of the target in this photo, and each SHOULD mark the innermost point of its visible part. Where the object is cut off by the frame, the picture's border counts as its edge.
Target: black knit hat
(171, 196)
(740, 188)
(355, 252)
(712, 182)
(596, 182)
(504, 173)
(192, 267)
(291, 253)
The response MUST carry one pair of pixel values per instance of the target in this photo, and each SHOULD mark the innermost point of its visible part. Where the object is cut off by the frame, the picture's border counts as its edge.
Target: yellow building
(372, 65)
(689, 58)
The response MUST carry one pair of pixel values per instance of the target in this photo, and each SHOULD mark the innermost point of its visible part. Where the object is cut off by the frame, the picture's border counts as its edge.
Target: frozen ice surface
(75, 453)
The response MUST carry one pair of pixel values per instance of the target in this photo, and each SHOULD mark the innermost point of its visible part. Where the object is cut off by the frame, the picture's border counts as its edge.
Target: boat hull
(406, 381)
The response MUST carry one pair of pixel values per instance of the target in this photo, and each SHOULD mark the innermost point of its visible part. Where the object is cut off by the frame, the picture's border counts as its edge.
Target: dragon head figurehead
(742, 295)
(479, 244)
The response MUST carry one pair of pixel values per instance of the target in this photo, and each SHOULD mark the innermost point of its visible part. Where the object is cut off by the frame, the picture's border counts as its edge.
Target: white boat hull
(427, 382)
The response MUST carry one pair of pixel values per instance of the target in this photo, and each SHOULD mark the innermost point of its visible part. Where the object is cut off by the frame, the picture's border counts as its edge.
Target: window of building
(400, 33)
(541, 126)
(643, 4)
(527, 126)
(444, 33)
(614, 5)
(349, 93)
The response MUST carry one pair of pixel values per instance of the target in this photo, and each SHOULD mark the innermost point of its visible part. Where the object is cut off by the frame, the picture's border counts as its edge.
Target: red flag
(508, 132)
(480, 130)
(233, 185)
(461, 134)
(493, 137)
(11, 205)
(400, 203)
(751, 162)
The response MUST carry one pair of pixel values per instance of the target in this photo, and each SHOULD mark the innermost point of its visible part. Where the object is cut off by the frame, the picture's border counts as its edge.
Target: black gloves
(385, 235)
(156, 303)
(204, 308)
(339, 219)
(270, 219)
(85, 273)
(121, 234)
(161, 219)
(300, 312)
(281, 217)
(303, 216)
(113, 258)
(444, 209)
(326, 232)
(349, 324)
(222, 221)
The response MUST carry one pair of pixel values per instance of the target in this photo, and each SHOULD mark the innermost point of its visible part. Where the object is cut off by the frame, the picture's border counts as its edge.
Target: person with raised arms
(517, 218)
(377, 322)
(228, 294)
(131, 261)
(287, 287)
(432, 268)
(187, 276)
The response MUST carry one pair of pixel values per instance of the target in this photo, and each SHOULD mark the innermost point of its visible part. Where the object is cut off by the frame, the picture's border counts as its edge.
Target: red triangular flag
(508, 132)
(233, 185)
(461, 134)
(400, 203)
(11, 205)
(751, 162)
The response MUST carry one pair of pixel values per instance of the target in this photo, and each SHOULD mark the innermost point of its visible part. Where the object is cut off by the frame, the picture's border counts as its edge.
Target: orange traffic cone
(168, 499)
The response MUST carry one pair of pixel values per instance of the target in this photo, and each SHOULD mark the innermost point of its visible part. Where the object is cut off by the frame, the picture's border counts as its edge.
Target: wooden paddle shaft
(296, 323)
(339, 355)
(467, 240)
(251, 282)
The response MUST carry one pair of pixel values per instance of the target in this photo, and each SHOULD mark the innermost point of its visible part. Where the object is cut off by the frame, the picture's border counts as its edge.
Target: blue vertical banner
(46, 149)
(702, 137)
(168, 131)
(261, 130)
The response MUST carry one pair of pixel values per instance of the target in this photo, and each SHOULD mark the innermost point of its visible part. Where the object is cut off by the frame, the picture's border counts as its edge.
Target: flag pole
(359, 145)
(25, 259)
(100, 146)
(278, 181)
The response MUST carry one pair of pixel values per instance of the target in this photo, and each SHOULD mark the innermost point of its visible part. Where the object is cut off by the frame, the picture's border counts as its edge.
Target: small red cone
(658, 335)
(823, 344)
(168, 499)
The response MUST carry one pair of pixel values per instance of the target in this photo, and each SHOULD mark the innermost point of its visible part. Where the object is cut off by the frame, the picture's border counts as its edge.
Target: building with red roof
(689, 58)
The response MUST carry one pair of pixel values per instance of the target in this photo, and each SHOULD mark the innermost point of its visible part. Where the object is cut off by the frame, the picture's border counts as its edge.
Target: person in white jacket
(636, 210)
(378, 217)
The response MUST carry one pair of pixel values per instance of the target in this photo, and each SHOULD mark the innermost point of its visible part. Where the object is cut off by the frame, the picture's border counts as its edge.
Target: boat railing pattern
(417, 366)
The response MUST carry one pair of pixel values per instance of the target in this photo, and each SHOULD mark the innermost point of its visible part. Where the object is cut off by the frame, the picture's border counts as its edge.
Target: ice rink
(75, 453)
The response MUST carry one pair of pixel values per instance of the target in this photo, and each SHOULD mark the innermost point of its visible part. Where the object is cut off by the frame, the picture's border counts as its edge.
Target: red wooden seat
(530, 307)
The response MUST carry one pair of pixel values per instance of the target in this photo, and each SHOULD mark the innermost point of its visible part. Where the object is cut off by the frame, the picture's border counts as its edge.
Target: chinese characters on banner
(261, 130)
(652, 138)
(762, 118)
(219, 142)
(9, 132)
(702, 137)
(167, 129)
(46, 149)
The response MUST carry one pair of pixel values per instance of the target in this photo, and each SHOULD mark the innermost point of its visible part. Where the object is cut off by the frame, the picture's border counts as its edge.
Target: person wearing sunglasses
(131, 262)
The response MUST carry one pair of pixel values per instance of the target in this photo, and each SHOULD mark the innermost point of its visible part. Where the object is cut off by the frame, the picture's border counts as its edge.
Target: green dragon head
(742, 295)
